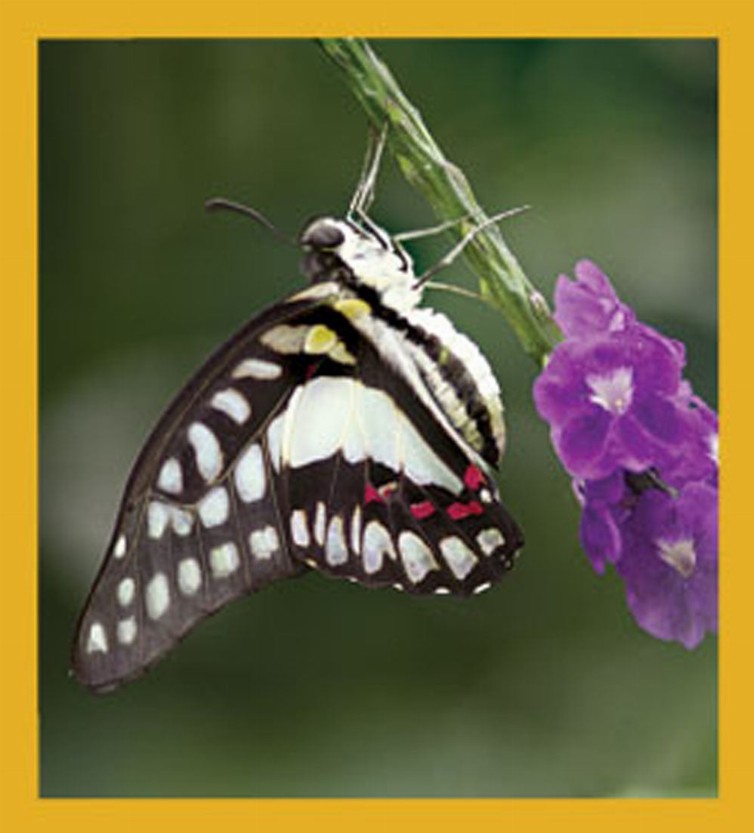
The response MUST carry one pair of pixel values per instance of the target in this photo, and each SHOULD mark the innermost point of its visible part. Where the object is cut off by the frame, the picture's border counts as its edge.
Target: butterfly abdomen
(456, 374)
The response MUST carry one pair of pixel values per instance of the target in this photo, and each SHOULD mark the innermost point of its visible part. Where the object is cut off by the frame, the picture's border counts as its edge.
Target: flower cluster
(642, 451)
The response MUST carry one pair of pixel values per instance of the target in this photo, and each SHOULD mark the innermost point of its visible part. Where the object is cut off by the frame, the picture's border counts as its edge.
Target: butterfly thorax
(357, 255)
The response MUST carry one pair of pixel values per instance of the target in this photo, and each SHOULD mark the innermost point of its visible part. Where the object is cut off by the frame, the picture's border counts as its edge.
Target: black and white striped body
(345, 429)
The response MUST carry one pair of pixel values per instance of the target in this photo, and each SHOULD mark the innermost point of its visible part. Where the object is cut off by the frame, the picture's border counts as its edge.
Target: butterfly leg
(451, 256)
(364, 194)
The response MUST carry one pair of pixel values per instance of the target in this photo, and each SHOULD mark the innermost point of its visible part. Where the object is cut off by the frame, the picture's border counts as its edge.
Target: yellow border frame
(22, 25)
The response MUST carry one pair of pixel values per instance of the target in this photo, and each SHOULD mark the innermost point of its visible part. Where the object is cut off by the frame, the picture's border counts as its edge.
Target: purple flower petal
(600, 536)
(669, 564)
(581, 445)
(610, 489)
(657, 359)
(589, 304)
(556, 396)
(659, 418)
(696, 457)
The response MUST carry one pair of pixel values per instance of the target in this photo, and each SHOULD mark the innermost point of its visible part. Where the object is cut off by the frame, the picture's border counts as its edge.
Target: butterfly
(346, 429)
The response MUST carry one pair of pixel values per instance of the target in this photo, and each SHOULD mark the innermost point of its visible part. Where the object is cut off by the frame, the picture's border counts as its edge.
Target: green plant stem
(444, 186)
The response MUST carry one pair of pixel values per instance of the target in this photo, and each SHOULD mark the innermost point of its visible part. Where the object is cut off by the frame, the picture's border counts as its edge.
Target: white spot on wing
(377, 544)
(299, 529)
(97, 640)
(319, 524)
(170, 478)
(257, 369)
(214, 507)
(285, 339)
(232, 403)
(157, 596)
(416, 556)
(119, 550)
(158, 516)
(126, 590)
(209, 456)
(316, 420)
(336, 551)
(317, 290)
(189, 576)
(356, 530)
(489, 540)
(459, 556)
(127, 630)
(264, 542)
(274, 440)
(181, 520)
(249, 476)
(224, 560)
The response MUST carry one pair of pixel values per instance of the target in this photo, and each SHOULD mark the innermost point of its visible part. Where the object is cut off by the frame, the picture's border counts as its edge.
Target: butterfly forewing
(200, 522)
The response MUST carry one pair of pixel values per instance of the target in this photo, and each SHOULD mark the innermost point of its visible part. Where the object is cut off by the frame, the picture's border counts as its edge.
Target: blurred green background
(542, 687)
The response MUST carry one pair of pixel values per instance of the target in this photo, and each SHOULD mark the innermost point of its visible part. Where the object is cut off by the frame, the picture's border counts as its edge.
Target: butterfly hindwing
(377, 490)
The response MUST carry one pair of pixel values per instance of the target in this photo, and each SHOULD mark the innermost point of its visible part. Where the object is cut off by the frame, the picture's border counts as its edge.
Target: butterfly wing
(378, 490)
(200, 493)
(296, 444)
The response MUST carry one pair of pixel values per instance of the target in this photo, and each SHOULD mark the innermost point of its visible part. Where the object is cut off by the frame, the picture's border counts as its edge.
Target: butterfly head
(360, 253)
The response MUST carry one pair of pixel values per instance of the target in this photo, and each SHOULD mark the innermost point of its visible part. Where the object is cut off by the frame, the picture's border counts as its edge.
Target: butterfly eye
(322, 234)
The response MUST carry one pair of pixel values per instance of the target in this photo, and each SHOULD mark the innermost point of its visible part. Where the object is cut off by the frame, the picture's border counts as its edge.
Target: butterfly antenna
(221, 204)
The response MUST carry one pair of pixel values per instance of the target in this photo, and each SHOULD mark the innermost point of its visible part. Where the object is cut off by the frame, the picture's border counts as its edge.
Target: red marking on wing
(371, 495)
(473, 478)
(458, 511)
(422, 510)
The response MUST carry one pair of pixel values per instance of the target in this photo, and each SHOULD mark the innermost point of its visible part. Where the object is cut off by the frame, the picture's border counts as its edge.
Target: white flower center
(680, 554)
(612, 391)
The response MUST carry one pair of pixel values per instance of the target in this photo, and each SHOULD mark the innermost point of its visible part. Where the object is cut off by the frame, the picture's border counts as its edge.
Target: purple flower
(642, 450)
(589, 305)
(670, 563)
(609, 401)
